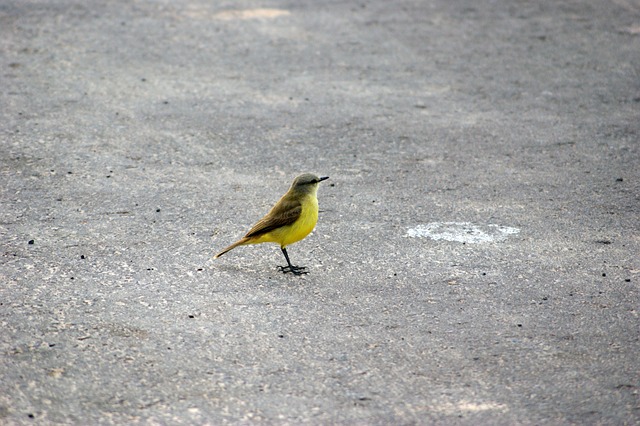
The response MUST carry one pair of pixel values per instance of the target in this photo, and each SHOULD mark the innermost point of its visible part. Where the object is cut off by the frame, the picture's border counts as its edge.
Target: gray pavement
(476, 260)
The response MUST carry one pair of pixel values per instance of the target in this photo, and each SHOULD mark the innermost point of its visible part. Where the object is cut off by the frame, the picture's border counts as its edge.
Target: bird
(290, 220)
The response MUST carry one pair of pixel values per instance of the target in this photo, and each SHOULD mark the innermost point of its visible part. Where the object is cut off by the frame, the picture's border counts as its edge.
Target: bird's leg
(295, 270)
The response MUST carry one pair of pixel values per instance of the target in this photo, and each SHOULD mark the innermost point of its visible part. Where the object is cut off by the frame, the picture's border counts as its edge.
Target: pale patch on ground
(228, 15)
(462, 232)
(469, 407)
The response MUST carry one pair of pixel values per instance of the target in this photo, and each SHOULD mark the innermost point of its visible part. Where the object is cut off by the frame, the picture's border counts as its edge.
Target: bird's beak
(323, 178)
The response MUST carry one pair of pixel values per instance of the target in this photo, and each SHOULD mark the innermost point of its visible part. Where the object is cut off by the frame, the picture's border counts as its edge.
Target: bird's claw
(295, 270)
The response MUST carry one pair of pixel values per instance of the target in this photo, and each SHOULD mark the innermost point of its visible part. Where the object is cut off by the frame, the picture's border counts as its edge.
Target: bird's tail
(232, 246)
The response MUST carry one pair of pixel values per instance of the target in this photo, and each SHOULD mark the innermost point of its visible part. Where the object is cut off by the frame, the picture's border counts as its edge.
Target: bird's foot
(295, 270)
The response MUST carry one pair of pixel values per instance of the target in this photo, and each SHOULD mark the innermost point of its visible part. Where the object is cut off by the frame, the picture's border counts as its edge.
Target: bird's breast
(305, 223)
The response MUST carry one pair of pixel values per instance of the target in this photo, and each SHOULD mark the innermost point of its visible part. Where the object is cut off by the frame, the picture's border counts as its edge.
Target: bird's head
(307, 183)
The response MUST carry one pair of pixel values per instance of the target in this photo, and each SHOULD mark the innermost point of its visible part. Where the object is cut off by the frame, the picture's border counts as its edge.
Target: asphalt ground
(476, 260)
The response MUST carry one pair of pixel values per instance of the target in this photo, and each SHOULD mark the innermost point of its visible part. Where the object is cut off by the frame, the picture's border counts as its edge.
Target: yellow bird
(291, 219)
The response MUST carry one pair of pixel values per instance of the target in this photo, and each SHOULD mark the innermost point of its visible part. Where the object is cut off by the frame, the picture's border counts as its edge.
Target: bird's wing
(284, 213)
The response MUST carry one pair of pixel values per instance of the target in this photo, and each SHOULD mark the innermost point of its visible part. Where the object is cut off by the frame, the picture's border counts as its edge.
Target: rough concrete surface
(140, 137)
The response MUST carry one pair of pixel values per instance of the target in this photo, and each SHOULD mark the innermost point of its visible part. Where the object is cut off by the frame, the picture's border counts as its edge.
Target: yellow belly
(296, 231)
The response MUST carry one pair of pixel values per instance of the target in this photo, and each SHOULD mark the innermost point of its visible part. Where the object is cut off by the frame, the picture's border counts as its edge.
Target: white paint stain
(469, 407)
(228, 15)
(462, 232)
